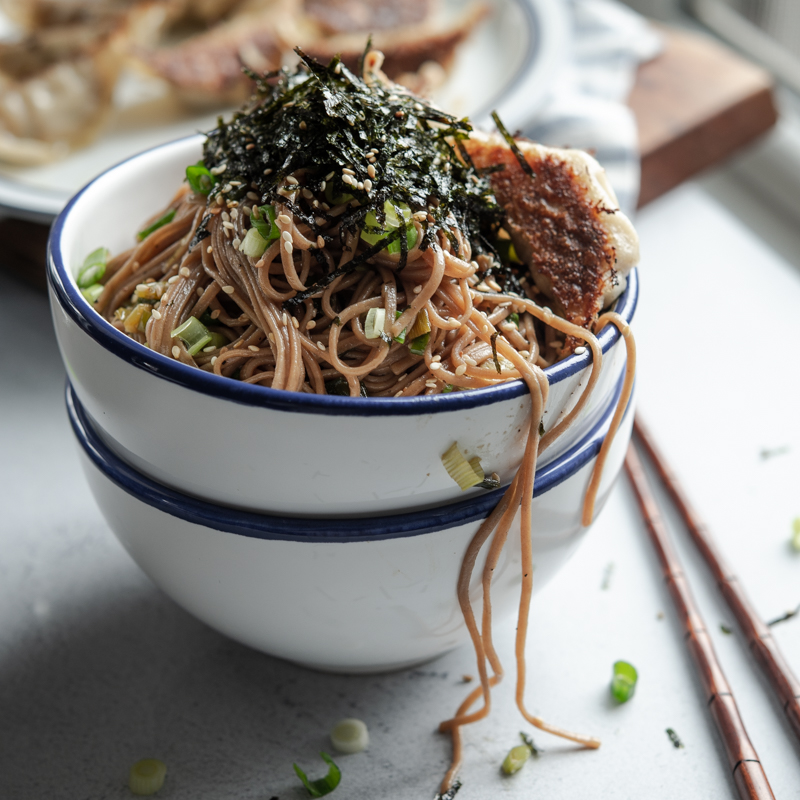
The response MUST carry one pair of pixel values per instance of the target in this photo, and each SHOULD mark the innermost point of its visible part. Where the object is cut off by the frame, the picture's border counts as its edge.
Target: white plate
(506, 64)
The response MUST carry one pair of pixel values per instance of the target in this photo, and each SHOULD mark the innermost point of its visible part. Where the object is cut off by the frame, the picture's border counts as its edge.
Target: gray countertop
(98, 668)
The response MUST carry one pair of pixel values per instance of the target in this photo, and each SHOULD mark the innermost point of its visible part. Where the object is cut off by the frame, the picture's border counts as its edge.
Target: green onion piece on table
(623, 682)
(516, 758)
(159, 223)
(147, 776)
(193, 334)
(321, 786)
(93, 268)
(373, 326)
(91, 293)
(796, 534)
(264, 223)
(350, 736)
(199, 178)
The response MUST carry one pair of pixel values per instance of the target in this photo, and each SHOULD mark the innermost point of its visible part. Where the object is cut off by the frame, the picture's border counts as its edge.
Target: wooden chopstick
(748, 774)
(759, 637)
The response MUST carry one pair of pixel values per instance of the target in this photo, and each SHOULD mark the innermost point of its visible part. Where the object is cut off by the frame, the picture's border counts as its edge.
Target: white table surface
(98, 668)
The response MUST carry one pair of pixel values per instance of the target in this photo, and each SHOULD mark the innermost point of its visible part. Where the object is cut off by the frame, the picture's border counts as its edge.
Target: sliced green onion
(796, 533)
(447, 388)
(373, 327)
(459, 469)
(193, 334)
(265, 224)
(475, 463)
(200, 179)
(93, 268)
(418, 345)
(91, 293)
(253, 244)
(401, 337)
(321, 786)
(159, 223)
(516, 758)
(624, 681)
(147, 776)
(350, 736)
(421, 325)
(136, 318)
(374, 231)
(514, 318)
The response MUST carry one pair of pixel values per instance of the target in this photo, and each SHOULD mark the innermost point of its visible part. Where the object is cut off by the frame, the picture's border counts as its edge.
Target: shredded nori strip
(526, 167)
(201, 233)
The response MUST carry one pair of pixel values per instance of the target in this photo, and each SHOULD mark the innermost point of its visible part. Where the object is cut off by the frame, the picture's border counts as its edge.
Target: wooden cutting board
(696, 104)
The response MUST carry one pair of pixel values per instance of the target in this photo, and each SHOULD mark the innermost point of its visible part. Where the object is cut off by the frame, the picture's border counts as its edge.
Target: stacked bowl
(322, 529)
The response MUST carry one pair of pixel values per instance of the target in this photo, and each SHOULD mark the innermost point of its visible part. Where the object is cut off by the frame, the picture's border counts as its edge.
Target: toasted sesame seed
(321, 346)
(360, 186)
(213, 361)
(285, 319)
(176, 352)
(236, 183)
(286, 236)
(436, 358)
(235, 213)
(399, 114)
(228, 225)
(226, 216)
(184, 271)
(228, 289)
(250, 146)
(485, 329)
(219, 169)
(292, 181)
(338, 68)
(285, 219)
(215, 314)
(311, 325)
(172, 279)
(417, 289)
(431, 384)
(461, 369)
(288, 247)
(397, 394)
(435, 365)
(329, 176)
(247, 211)
(295, 322)
(252, 348)
(271, 337)
(268, 171)
(347, 171)
(199, 292)
(367, 185)
(308, 194)
(320, 242)
(156, 314)
(371, 171)
(210, 349)
(579, 351)
(253, 196)
(236, 242)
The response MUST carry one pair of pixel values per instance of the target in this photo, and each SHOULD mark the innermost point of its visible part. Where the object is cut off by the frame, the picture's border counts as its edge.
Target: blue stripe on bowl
(301, 529)
(80, 312)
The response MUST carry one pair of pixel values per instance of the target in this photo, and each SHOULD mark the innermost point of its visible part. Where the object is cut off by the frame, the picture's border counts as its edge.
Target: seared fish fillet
(565, 223)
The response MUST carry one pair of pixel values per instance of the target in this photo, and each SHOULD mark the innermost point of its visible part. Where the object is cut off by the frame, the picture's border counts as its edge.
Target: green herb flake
(623, 681)
(93, 268)
(265, 224)
(159, 223)
(321, 786)
(674, 738)
(725, 629)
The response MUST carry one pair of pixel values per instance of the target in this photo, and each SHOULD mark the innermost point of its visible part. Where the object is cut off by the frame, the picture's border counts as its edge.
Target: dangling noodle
(294, 317)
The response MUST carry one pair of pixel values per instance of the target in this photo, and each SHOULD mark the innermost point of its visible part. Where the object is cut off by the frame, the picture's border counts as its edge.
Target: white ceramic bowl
(347, 595)
(256, 448)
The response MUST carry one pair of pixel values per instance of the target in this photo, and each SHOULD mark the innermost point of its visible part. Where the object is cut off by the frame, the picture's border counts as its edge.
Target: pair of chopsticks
(748, 774)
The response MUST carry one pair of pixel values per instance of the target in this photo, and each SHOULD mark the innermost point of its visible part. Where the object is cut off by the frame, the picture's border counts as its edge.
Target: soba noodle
(328, 307)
